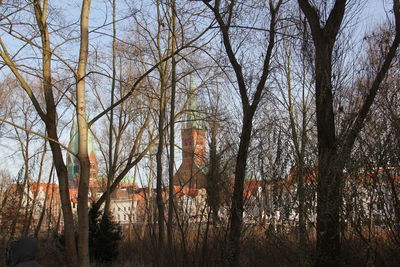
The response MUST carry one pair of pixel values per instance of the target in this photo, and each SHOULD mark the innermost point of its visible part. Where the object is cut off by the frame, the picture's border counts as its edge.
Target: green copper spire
(192, 118)
(74, 140)
(72, 160)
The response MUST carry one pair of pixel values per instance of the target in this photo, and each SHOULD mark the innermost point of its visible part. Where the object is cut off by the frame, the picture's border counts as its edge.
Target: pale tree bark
(111, 162)
(132, 207)
(298, 133)
(249, 105)
(83, 218)
(163, 74)
(148, 198)
(214, 173)
(334, 151)
(172, 131)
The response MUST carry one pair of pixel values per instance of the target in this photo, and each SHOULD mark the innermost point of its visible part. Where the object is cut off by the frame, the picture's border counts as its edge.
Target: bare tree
(49, 117)
(83, 155)
(334, 151)
(225, 15)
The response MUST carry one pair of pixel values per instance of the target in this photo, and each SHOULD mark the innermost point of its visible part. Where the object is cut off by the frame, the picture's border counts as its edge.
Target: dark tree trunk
(250, 104)
(236, 219)
(61, 169)
(333, 152)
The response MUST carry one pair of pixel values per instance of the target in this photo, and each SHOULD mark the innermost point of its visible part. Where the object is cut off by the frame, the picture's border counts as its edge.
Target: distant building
(192, 171)
(127, 206)
(73, 166)
(27, 207)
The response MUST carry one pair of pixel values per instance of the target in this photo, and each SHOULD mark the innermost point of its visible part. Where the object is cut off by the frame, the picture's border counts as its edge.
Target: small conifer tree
(104, 235)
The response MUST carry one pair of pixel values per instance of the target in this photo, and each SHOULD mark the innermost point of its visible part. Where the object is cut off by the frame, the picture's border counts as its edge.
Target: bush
(104, 236)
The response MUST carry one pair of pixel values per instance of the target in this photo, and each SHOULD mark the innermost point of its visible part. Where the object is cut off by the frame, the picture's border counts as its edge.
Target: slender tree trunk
(83, 219)
(159, 189)
(172, 134)
(70, 244)
(214, 174)
(131, 209)
(302, 211)
(111, 163)
(31, 216)
(50, 120)
(249, 106)
(236, 218)
(24, 189)
(298, 140)
(149, 203)
(19, 207)
(161, 121)
(43, 212)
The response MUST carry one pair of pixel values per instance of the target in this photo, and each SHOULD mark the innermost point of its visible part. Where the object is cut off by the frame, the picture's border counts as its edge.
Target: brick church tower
(73, 166)
(191, 173)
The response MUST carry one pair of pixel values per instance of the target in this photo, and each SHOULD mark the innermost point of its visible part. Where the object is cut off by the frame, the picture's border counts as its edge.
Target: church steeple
(191, 172)
(73, 166)
(192, 117)
(193, 134)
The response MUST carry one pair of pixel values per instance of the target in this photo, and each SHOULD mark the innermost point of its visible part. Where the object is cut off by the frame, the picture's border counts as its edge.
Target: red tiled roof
(250, 186)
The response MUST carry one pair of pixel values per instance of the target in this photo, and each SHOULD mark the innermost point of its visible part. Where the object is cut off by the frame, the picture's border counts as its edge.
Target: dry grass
(260, 247)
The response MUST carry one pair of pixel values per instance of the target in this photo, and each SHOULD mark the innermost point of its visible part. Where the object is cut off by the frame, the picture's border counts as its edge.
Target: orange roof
(73, 192)
(309, 175)
(34, 186)
(250, 186)
(138, 197)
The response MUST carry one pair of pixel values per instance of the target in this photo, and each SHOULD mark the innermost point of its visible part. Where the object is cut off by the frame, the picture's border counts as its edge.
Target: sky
(373, 13)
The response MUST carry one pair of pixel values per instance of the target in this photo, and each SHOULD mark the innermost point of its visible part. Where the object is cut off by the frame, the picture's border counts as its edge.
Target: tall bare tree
(333, 150)
(49, 117)
(225, 14)
(83, 155)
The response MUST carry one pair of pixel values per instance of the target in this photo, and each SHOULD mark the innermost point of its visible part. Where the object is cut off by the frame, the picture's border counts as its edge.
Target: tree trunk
(172, 135)
(159, 189)
(111, 163)
(236, 218)
(50, 119)
(61, 169)
(148, 198)
(163, 68)
(43, 212)
(28, 224)
(249, 106)
(51, 126)
(83, 219)
(333, 153)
